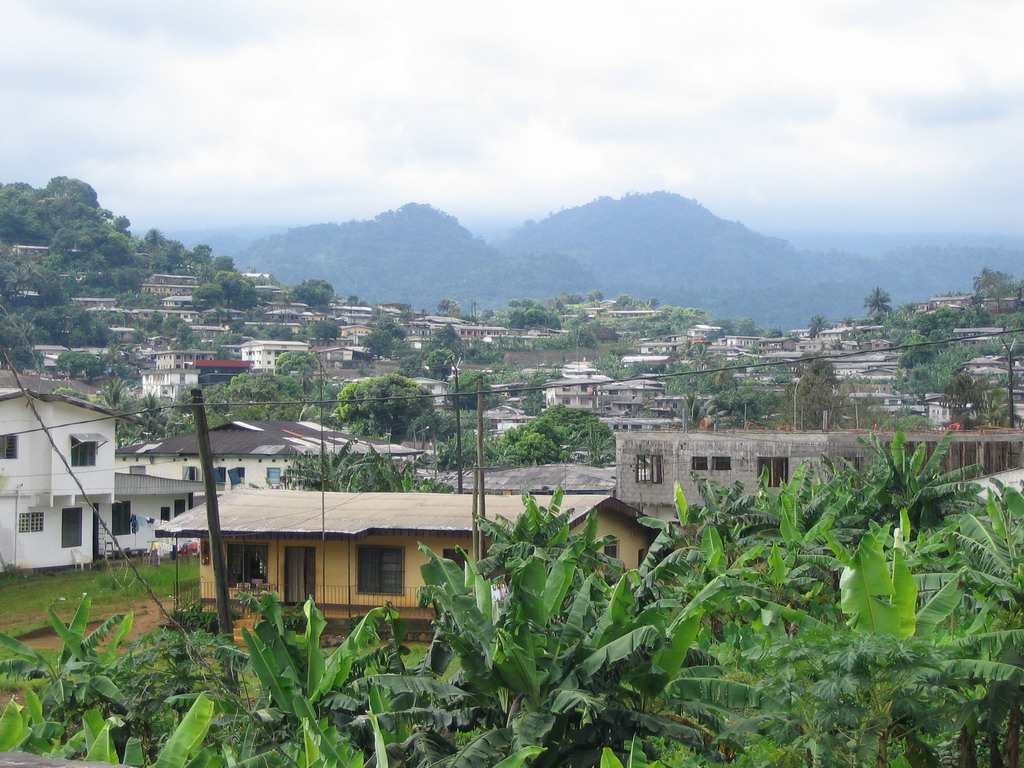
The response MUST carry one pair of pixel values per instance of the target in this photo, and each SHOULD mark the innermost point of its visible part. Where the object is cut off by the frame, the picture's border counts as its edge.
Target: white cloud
(785, 115)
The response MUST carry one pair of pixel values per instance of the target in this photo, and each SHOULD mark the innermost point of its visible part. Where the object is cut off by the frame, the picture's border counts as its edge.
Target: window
(777, 468)
(180, 505)
(236, 475)
(9, 446)
(30, 522)
(71, 527)
(247, 564)
(83, 453)
(220, 474)
(698, 463)
(612, 550)
(165, 513)
(721, 463)
(273, 475)
(121, 518)
(648, 468)
(190, 473)
(381, 570)
(138, 469)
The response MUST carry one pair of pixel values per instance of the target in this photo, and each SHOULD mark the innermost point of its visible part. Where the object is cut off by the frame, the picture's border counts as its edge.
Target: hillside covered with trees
(658, 244)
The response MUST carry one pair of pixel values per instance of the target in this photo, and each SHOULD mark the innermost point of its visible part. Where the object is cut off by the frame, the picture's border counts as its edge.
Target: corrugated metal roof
(263, 438)
(572, 478)
(262, 512)
(130, 485)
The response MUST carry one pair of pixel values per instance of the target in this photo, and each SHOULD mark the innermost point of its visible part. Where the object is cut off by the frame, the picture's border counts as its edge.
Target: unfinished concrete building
(650, 464)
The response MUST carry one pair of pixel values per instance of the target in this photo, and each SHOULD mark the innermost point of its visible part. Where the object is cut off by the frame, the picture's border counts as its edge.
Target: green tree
(449, 308)
(966, 397)
(878, 302)
(818, 324)
(324, 331)
(818, 404)
(239, 291)
(208, 295)
(316, 293)
(439, 363)
(384, 406)
(79, 365)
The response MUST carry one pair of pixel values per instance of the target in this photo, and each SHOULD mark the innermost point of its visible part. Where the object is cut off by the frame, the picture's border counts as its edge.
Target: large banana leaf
(188, 736)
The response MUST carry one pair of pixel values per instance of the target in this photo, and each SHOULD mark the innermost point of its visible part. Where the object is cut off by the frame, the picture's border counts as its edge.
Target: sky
(811, 115)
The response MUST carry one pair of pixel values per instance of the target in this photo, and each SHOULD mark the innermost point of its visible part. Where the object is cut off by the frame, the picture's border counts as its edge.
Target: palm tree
(877, 302)
(965, 396)
(818, 324)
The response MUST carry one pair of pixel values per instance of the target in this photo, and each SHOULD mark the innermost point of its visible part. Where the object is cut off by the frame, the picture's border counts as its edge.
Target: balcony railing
(332, 599)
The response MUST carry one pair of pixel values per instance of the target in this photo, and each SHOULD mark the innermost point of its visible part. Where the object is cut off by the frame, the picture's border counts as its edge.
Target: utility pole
(458, 428)
(220, 569)
(478, 476)
(1009, 380)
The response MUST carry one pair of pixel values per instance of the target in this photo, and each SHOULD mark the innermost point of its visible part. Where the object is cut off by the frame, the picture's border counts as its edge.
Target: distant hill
(664, 245)
(658, 244)
(415, 254)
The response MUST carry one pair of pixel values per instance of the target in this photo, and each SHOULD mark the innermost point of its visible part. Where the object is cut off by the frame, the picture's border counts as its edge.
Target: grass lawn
(24, 597)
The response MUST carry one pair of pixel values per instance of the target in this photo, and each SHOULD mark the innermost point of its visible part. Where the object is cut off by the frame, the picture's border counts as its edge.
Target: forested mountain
(648, 245)
(668, 246)
(415, 254)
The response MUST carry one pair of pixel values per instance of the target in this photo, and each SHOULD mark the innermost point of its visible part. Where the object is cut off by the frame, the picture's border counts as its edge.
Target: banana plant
(878, 591)
(78, 679)
(573, 661)
(23, 728)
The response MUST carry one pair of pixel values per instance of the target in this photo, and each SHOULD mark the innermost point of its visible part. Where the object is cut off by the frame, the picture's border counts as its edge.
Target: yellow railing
(332, 599)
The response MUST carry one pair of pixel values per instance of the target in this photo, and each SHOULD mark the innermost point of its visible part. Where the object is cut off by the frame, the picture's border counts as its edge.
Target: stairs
(246, 622)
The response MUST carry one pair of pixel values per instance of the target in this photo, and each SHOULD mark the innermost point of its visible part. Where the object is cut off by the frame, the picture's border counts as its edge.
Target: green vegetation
(849, 619)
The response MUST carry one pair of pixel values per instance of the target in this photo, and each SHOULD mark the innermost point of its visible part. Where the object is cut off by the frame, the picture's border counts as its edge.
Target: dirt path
(147, 619)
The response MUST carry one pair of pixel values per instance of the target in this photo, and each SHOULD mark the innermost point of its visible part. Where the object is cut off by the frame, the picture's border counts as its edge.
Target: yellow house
(354, 551)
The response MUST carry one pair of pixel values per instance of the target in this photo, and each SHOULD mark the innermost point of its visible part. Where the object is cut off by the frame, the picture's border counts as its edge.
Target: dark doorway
(299, 573)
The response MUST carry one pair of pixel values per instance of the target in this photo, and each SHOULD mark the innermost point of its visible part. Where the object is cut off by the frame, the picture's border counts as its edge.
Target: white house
(247, 454)
(169, 382)
(45, 519)
(263, 355)
(142, 503)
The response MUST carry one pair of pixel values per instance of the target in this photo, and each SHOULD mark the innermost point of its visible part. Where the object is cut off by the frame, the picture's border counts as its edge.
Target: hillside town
(617, 398)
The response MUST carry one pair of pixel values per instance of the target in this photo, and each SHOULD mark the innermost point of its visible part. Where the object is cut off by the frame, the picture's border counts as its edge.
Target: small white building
(169, 382)
(180, 358)
(263, 355)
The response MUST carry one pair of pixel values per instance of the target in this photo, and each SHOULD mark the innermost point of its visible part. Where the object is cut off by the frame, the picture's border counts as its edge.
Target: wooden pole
(458, 429)
(220, 568)
(1009, 380)
(478, 478)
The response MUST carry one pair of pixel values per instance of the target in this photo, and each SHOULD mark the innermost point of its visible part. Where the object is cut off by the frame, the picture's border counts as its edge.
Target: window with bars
(121, 518)
(381, 570)
(247, 563)
(777, 468)
(648, 468)
(30, 522)
(721, 463)
(8, 446)
(71, 527)
(698, 463)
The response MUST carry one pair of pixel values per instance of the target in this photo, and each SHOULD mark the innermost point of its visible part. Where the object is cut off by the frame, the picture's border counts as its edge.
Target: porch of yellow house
(340, 605)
